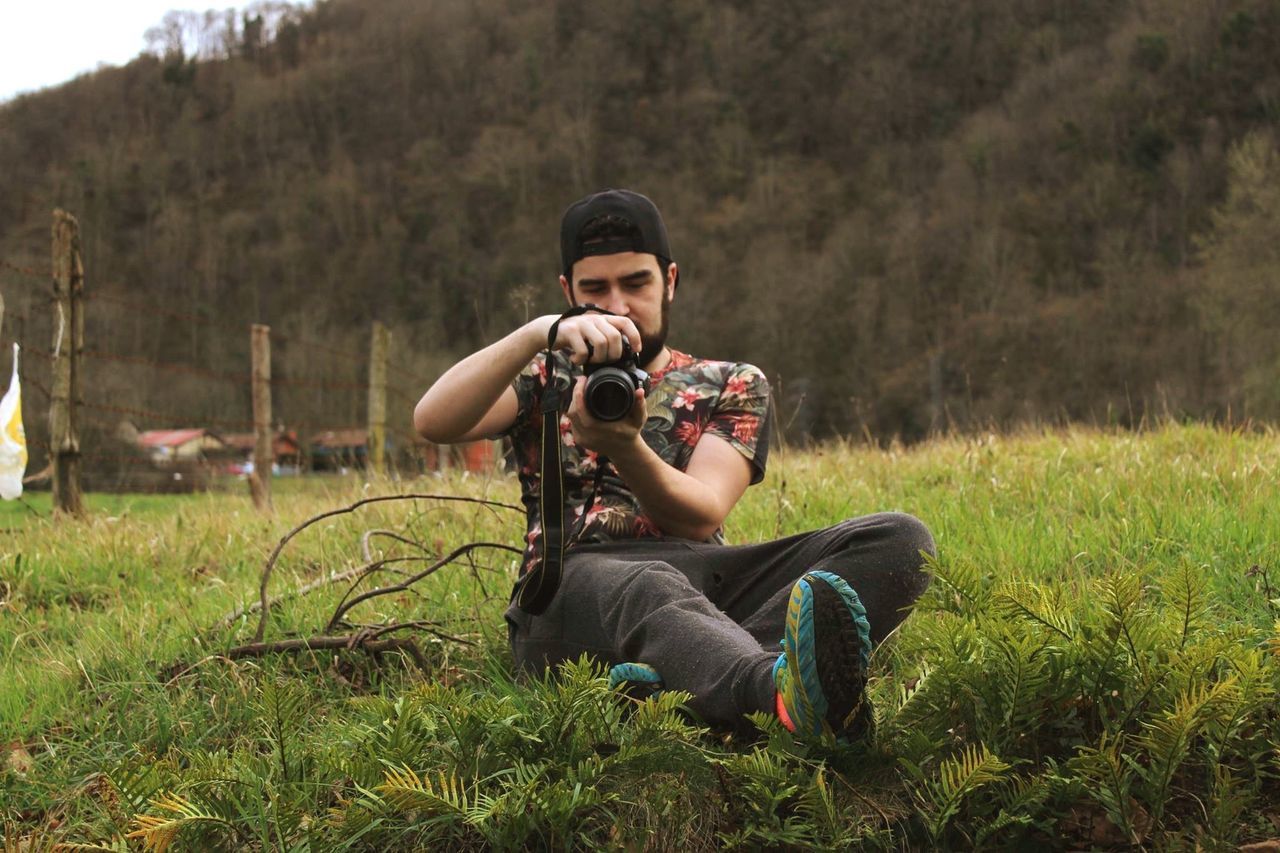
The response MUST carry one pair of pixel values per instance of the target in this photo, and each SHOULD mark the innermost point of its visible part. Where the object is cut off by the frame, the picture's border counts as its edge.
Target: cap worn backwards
(650, 233)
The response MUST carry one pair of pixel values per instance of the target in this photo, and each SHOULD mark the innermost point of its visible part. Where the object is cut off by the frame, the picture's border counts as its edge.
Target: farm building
(336, 449)
(286, 451)
(165, 446)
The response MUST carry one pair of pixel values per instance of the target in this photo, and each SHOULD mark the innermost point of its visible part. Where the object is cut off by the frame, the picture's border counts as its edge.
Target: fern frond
(405, 790)
(1186, 591)
(1024, 795)
(158, 832)
(136, 782)
(960, 588)
(1168, 738)
(958, 777)
(1111, 779)
(1034, 603)
(1018, 683)
(1122, 595)
(282, 708)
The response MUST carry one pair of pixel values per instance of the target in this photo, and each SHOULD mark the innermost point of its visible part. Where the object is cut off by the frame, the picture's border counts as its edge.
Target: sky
(47, 42)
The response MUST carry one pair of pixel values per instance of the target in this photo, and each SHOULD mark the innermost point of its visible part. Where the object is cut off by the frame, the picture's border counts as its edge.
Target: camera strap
(539, 584)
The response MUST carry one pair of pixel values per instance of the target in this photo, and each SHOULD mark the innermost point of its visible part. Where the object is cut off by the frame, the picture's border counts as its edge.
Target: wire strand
(27, 271)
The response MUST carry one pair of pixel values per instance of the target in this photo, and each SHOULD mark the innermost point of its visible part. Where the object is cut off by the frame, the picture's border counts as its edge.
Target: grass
(1095, 664)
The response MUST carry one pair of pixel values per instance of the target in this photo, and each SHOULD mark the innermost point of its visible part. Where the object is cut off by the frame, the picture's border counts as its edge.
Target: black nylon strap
(539, 585)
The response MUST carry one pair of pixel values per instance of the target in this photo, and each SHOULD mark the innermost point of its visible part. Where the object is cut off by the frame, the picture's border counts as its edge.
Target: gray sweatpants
(709, 617)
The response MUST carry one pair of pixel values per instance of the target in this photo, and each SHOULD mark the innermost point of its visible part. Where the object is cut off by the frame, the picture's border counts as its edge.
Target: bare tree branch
(336, 577)
(263, 603)
(390, 534)
(344, 606)
(360, 641)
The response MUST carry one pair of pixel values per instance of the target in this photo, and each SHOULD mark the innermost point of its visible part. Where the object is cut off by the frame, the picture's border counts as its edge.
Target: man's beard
(652, 344)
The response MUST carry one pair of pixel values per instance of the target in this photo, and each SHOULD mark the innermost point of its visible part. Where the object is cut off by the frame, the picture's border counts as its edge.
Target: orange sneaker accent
(782, 713)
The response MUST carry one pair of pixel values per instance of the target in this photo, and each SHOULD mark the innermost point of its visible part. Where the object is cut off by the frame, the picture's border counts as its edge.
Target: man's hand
(596, 338)
(609, 438)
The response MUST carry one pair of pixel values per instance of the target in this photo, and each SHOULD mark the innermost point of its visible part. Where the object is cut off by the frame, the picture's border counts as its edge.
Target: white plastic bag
(13, 438)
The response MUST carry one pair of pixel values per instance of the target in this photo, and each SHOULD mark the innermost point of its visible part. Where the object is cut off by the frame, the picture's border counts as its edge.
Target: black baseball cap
(650, 233)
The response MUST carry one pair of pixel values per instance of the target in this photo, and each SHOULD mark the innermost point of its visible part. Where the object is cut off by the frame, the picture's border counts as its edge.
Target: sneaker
(637, 679)
(821, 675)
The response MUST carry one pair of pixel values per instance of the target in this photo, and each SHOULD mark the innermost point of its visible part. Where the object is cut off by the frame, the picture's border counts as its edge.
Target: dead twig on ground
(363, 642)
(390, 534)
(264, 603)
(336, 577)
(345, 605)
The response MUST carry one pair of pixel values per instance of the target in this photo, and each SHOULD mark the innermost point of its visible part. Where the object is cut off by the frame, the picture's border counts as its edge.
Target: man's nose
(616, 303)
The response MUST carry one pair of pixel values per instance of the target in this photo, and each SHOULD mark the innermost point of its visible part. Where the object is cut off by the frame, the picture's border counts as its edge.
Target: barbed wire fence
(329, 403)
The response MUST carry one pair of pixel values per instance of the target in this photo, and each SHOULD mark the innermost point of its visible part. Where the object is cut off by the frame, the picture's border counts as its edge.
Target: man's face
(632, 285)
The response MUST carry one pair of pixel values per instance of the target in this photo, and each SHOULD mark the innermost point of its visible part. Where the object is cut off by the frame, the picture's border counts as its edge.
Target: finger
(609, 342)
(614, 339)
(628, 328)
(638, 412)
(597, 345)
(577, 408)
(576, 346)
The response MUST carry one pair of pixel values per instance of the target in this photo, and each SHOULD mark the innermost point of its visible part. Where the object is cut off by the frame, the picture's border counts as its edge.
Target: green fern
(1110, 780)
(1186, 590)
(959, 587)
(957, 779)
(1038, 604)
(159, 831)
(1022, 798)
(1168, 737)
(407, 791)
(281, 710)
(136, 781)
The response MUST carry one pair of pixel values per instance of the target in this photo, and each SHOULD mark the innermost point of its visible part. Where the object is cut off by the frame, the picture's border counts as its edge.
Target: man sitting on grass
(648, 587)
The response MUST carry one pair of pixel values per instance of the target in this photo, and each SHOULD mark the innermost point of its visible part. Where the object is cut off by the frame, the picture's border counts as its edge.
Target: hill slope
(909, 213)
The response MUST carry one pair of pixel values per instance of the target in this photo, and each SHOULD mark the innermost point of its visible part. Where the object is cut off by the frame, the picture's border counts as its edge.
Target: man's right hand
(595, 338)
(474, 398)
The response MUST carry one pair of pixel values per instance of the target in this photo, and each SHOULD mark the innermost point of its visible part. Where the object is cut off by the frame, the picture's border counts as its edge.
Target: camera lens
(608, 394)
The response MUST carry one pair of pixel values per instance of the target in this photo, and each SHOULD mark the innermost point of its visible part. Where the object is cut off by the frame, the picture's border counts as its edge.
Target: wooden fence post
(378, 398)
(263, 452)
(68, 344)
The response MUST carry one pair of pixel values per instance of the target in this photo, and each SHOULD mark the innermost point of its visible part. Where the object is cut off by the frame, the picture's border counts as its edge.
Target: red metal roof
(169, 437)
(341, 438)
(282, 444)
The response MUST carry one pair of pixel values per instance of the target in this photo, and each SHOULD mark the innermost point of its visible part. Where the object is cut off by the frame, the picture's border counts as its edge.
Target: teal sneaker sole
(826, 648)
(638, 678)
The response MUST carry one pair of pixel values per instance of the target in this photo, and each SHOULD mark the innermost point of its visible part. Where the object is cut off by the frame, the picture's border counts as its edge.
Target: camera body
(611, 386)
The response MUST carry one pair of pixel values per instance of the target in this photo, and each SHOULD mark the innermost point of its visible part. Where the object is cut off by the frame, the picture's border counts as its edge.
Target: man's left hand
(608, 438)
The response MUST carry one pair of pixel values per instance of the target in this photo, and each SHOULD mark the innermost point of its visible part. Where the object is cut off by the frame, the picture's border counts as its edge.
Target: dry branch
(264, 604)
(365, 644)
(305, 589)
(344, 605)
(367, 553)
(367, 638)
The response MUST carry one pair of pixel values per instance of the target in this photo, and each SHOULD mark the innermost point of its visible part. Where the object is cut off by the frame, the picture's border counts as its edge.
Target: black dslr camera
(611, 387)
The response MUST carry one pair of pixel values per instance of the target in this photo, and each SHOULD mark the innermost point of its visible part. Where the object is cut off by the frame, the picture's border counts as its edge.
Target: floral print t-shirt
(687, 399)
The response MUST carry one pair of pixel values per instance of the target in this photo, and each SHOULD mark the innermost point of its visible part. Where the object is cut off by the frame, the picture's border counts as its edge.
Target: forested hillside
(913, 214)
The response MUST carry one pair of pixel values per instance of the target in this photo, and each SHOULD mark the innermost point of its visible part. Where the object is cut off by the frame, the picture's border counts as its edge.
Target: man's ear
(673, 276)
(568, 291)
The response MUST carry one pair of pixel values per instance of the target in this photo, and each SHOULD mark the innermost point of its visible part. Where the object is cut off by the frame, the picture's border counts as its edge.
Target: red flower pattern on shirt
(686, 399)
(744, 429)
(689, 431)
